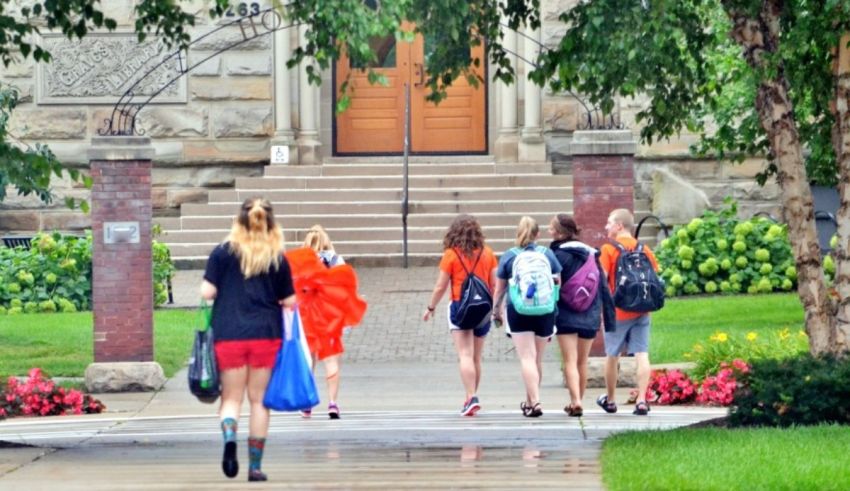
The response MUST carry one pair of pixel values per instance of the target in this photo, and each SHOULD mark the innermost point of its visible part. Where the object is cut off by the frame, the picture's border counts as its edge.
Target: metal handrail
(663, 226)
(405, 205)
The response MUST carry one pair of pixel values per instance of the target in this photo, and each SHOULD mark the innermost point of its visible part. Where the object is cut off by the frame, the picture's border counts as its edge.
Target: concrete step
(371, 220)
(367, 182)
(372, 207)
(413, 159)
(296, 235)
(396, 169)
(393, 193)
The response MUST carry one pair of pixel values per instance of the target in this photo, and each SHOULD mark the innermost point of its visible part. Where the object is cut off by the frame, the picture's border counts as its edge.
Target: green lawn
(61, 344)
(684, 321)
(703, 459)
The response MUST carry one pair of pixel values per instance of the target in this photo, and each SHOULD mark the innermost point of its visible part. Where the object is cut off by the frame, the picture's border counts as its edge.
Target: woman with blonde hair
(465, 255)
(250, 280)
(318, 240)
(530, 274)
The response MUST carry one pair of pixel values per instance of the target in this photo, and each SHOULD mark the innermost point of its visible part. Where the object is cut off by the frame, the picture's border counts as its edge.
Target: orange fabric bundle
(327, 300)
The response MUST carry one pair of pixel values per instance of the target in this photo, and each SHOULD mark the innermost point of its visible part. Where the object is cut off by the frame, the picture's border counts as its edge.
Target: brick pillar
(122, 271)
(603, 180)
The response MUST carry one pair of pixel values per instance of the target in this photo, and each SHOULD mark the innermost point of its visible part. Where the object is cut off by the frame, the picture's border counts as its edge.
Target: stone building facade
(219, 121)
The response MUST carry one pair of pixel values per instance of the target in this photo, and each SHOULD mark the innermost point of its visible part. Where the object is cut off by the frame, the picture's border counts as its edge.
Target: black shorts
(582, 333)
(542, 326)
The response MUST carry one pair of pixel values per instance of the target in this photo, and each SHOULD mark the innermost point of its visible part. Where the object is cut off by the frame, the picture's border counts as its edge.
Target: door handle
(419, 73)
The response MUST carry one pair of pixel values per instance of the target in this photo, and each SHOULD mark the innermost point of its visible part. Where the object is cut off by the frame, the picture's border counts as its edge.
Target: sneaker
(609, 406)
(470, 407)
(229, 464)
(257, 475)
(333, 411)
(306, 413)
(641, 408)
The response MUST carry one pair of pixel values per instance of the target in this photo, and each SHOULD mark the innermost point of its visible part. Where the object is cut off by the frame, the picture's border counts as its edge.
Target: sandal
(641, 408)
(608, 406)
(333, 411)
(534, 411)
(574, 410)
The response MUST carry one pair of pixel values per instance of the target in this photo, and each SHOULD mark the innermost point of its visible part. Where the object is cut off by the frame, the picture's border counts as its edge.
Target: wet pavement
(400, 428)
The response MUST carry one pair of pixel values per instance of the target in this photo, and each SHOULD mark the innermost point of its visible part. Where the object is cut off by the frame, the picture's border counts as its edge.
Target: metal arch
(124, 118)
(663, 225)
(595, 118)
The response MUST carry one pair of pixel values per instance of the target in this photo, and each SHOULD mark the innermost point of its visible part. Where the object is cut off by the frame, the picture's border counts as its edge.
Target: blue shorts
(632, 335)
(478, 332)
(543, 326)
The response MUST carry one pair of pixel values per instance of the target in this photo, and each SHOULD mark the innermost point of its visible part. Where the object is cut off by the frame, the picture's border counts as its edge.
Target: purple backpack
(580, 290)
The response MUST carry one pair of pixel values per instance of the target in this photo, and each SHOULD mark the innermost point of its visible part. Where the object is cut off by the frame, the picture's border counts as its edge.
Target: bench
(12, 241)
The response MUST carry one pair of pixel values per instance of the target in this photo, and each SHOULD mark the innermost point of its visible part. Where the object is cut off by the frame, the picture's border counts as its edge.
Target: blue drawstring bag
(292, 387)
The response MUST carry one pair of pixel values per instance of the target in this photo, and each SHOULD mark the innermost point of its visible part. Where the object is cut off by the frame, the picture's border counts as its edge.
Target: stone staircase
(358, 201)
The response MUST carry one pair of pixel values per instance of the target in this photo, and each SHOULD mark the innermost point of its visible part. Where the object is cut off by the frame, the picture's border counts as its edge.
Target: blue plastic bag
(292, 387)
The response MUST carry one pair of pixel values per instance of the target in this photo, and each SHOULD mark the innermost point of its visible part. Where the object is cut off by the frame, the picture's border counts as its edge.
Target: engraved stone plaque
(100, 68)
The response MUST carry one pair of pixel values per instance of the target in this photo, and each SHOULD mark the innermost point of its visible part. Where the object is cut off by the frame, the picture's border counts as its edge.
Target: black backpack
(475, 302)
(637, 288)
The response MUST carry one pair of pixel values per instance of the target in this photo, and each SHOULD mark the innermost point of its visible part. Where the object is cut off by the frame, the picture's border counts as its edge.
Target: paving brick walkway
(392, 329)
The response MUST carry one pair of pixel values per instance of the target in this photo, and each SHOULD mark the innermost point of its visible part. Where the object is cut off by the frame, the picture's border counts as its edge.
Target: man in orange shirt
(632, 333)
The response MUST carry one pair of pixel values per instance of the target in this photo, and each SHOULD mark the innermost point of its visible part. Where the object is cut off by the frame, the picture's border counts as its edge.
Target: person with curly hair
(250, 280)
(465, 254)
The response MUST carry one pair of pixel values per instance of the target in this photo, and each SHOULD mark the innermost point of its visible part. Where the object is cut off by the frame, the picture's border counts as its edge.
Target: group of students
(250, 280)
(574, 321)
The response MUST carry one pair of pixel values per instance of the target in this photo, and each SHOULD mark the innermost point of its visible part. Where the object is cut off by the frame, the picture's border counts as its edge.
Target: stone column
(308, 132)
(603, 180)
(283, 132)
(507, 138)
(122, 270)
(531, 145)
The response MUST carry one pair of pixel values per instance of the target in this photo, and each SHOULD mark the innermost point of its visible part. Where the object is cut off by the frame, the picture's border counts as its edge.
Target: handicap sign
(280, 154)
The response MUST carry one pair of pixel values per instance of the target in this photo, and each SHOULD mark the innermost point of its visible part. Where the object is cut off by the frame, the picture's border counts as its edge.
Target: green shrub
(803, 390)
(54, 275)
(722, 348)
(719, 253)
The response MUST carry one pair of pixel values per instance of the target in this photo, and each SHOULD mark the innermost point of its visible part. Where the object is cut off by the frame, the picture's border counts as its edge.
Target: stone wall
(215, 125)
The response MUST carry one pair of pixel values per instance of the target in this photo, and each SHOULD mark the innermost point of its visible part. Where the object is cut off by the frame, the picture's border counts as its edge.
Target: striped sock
(228, 429)
(255, 452)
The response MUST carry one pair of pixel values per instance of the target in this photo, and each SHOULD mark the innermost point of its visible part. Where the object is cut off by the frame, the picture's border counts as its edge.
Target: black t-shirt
(246, 308)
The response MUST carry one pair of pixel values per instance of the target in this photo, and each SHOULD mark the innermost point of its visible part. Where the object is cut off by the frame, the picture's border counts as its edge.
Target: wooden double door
(374, 122)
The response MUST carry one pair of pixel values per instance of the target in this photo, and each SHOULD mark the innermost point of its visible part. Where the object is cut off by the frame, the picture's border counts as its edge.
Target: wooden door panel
(457, 123)
(374, 122)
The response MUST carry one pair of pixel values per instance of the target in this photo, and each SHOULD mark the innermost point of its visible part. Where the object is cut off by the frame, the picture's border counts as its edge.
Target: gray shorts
(632, 334)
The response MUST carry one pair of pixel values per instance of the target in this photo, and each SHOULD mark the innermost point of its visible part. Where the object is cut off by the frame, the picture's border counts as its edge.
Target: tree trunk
(760, 37)
(842, 155)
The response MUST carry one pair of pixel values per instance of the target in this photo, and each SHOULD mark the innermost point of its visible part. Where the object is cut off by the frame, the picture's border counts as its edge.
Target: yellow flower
(722, 337)
(751, 336)
(783, 334)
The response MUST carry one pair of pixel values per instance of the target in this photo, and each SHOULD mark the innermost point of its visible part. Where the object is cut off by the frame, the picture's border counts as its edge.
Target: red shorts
(256, 353)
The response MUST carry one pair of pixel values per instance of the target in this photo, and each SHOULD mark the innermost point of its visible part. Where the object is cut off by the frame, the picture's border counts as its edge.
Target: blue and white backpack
(532, 289)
